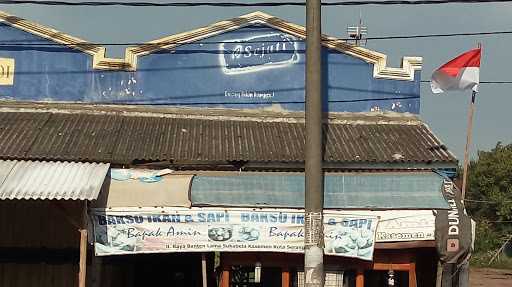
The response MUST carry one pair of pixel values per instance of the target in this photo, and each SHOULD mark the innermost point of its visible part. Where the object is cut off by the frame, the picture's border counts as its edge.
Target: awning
(405, 190)
(144, 190)
(21, 179)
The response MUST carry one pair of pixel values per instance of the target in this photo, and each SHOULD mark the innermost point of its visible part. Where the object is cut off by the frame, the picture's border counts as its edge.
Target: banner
(234, 230)
(405, 225)
(454, 238)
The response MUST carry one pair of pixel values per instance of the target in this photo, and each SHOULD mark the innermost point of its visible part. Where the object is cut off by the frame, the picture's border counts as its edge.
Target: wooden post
(224, 279)
(469, 134)
(285, 277)
(439, 274)
(360, 278)
(203, 269)
(83, 248)
(412, 275)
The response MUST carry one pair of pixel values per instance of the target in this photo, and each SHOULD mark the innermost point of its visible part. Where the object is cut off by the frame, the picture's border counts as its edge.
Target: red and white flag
(460, 73)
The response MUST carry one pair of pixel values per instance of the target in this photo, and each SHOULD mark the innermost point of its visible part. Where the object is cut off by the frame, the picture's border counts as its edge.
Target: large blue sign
(255, 66)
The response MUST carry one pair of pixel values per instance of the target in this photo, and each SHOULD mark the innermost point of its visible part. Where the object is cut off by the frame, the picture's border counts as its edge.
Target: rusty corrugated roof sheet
(122, 138)
(51, 180)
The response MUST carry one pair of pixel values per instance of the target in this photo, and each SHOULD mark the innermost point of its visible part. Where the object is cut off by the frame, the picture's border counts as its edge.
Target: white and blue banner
(234, 230)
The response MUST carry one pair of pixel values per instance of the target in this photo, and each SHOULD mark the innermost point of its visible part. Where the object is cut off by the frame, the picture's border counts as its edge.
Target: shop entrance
(177, 270)
(389, 267)
(247, 276)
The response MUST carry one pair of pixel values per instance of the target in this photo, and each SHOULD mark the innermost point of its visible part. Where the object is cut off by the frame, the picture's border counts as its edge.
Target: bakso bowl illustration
(246, 233)
(220, 233)
(350, 241)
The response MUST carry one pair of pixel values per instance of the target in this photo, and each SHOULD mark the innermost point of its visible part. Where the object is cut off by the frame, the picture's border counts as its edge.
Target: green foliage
(487, 237)
(488, 242)
(489, 195)
(490, 179)
(482, 259)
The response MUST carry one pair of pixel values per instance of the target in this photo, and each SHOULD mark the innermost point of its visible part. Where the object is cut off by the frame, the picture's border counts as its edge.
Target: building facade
(183, 163)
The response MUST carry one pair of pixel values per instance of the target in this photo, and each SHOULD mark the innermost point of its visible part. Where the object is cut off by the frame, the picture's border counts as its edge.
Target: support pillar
(360, 278)
(83, 248)
(285, 277)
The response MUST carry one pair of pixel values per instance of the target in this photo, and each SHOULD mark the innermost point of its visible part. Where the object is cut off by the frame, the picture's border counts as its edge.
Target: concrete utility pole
(313, 225)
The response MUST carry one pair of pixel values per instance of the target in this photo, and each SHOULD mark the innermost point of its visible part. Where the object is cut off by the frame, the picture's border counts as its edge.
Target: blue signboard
(255, 66)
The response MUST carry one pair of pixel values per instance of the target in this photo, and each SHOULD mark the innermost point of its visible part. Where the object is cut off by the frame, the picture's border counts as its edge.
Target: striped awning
(21, 179)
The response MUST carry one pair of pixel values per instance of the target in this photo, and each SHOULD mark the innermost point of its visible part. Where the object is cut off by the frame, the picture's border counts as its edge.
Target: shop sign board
(233, 230)
(405, 225)
(6, 72)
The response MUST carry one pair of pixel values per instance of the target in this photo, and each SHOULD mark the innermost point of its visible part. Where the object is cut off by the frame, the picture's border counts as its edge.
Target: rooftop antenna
(357, 33)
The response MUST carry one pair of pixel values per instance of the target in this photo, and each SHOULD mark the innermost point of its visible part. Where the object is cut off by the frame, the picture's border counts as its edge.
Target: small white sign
(6, 72)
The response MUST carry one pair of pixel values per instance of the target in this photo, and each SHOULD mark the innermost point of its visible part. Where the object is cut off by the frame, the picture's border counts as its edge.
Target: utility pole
(314, 199)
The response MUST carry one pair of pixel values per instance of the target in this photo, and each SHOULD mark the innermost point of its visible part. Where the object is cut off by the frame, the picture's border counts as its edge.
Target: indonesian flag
(460, 73)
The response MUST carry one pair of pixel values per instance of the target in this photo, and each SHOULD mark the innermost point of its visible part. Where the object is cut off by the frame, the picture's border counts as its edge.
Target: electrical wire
(136, 102)
(481, 82)
(438, 35)
(245, 4)
(35, 44)
(487, 201)
(165, 43)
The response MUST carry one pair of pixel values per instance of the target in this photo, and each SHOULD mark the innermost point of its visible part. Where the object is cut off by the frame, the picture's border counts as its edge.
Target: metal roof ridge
(263, 115)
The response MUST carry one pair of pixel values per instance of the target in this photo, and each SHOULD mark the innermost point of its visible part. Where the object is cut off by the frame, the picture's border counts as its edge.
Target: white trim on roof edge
(379, 60)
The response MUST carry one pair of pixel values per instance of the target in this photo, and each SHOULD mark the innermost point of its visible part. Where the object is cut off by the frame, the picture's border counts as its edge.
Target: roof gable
(100, 61)
(405, 72)
(255, 61)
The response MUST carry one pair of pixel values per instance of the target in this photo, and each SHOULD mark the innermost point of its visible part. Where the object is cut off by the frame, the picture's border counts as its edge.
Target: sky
(446, 114)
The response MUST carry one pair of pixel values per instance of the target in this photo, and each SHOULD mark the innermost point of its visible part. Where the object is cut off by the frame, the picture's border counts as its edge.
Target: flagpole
(469, 134)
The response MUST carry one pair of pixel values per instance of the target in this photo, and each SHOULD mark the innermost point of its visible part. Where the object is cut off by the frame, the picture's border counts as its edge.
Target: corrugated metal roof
(77, 137)
(404, 190)
(5, 168)
(123, 139)
(52, 180)
(18, 132)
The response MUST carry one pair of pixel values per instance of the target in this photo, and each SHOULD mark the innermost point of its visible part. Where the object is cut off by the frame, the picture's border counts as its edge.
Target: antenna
(357, 33)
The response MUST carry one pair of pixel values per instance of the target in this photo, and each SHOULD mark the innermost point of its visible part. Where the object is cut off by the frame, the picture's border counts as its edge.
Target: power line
(245, 4)
(35, 44)
(138, 101)
(481, 82)
(487, 201)
(14, 43)
(439, 35)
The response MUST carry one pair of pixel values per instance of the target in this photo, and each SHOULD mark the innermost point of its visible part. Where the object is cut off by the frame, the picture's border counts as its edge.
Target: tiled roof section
(123, 139)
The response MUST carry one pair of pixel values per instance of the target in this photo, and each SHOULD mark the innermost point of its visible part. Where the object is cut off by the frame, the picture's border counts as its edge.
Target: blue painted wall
(44, 73)
(252, 67)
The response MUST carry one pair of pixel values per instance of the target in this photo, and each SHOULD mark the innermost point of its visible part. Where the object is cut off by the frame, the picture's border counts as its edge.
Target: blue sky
(446, 114)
